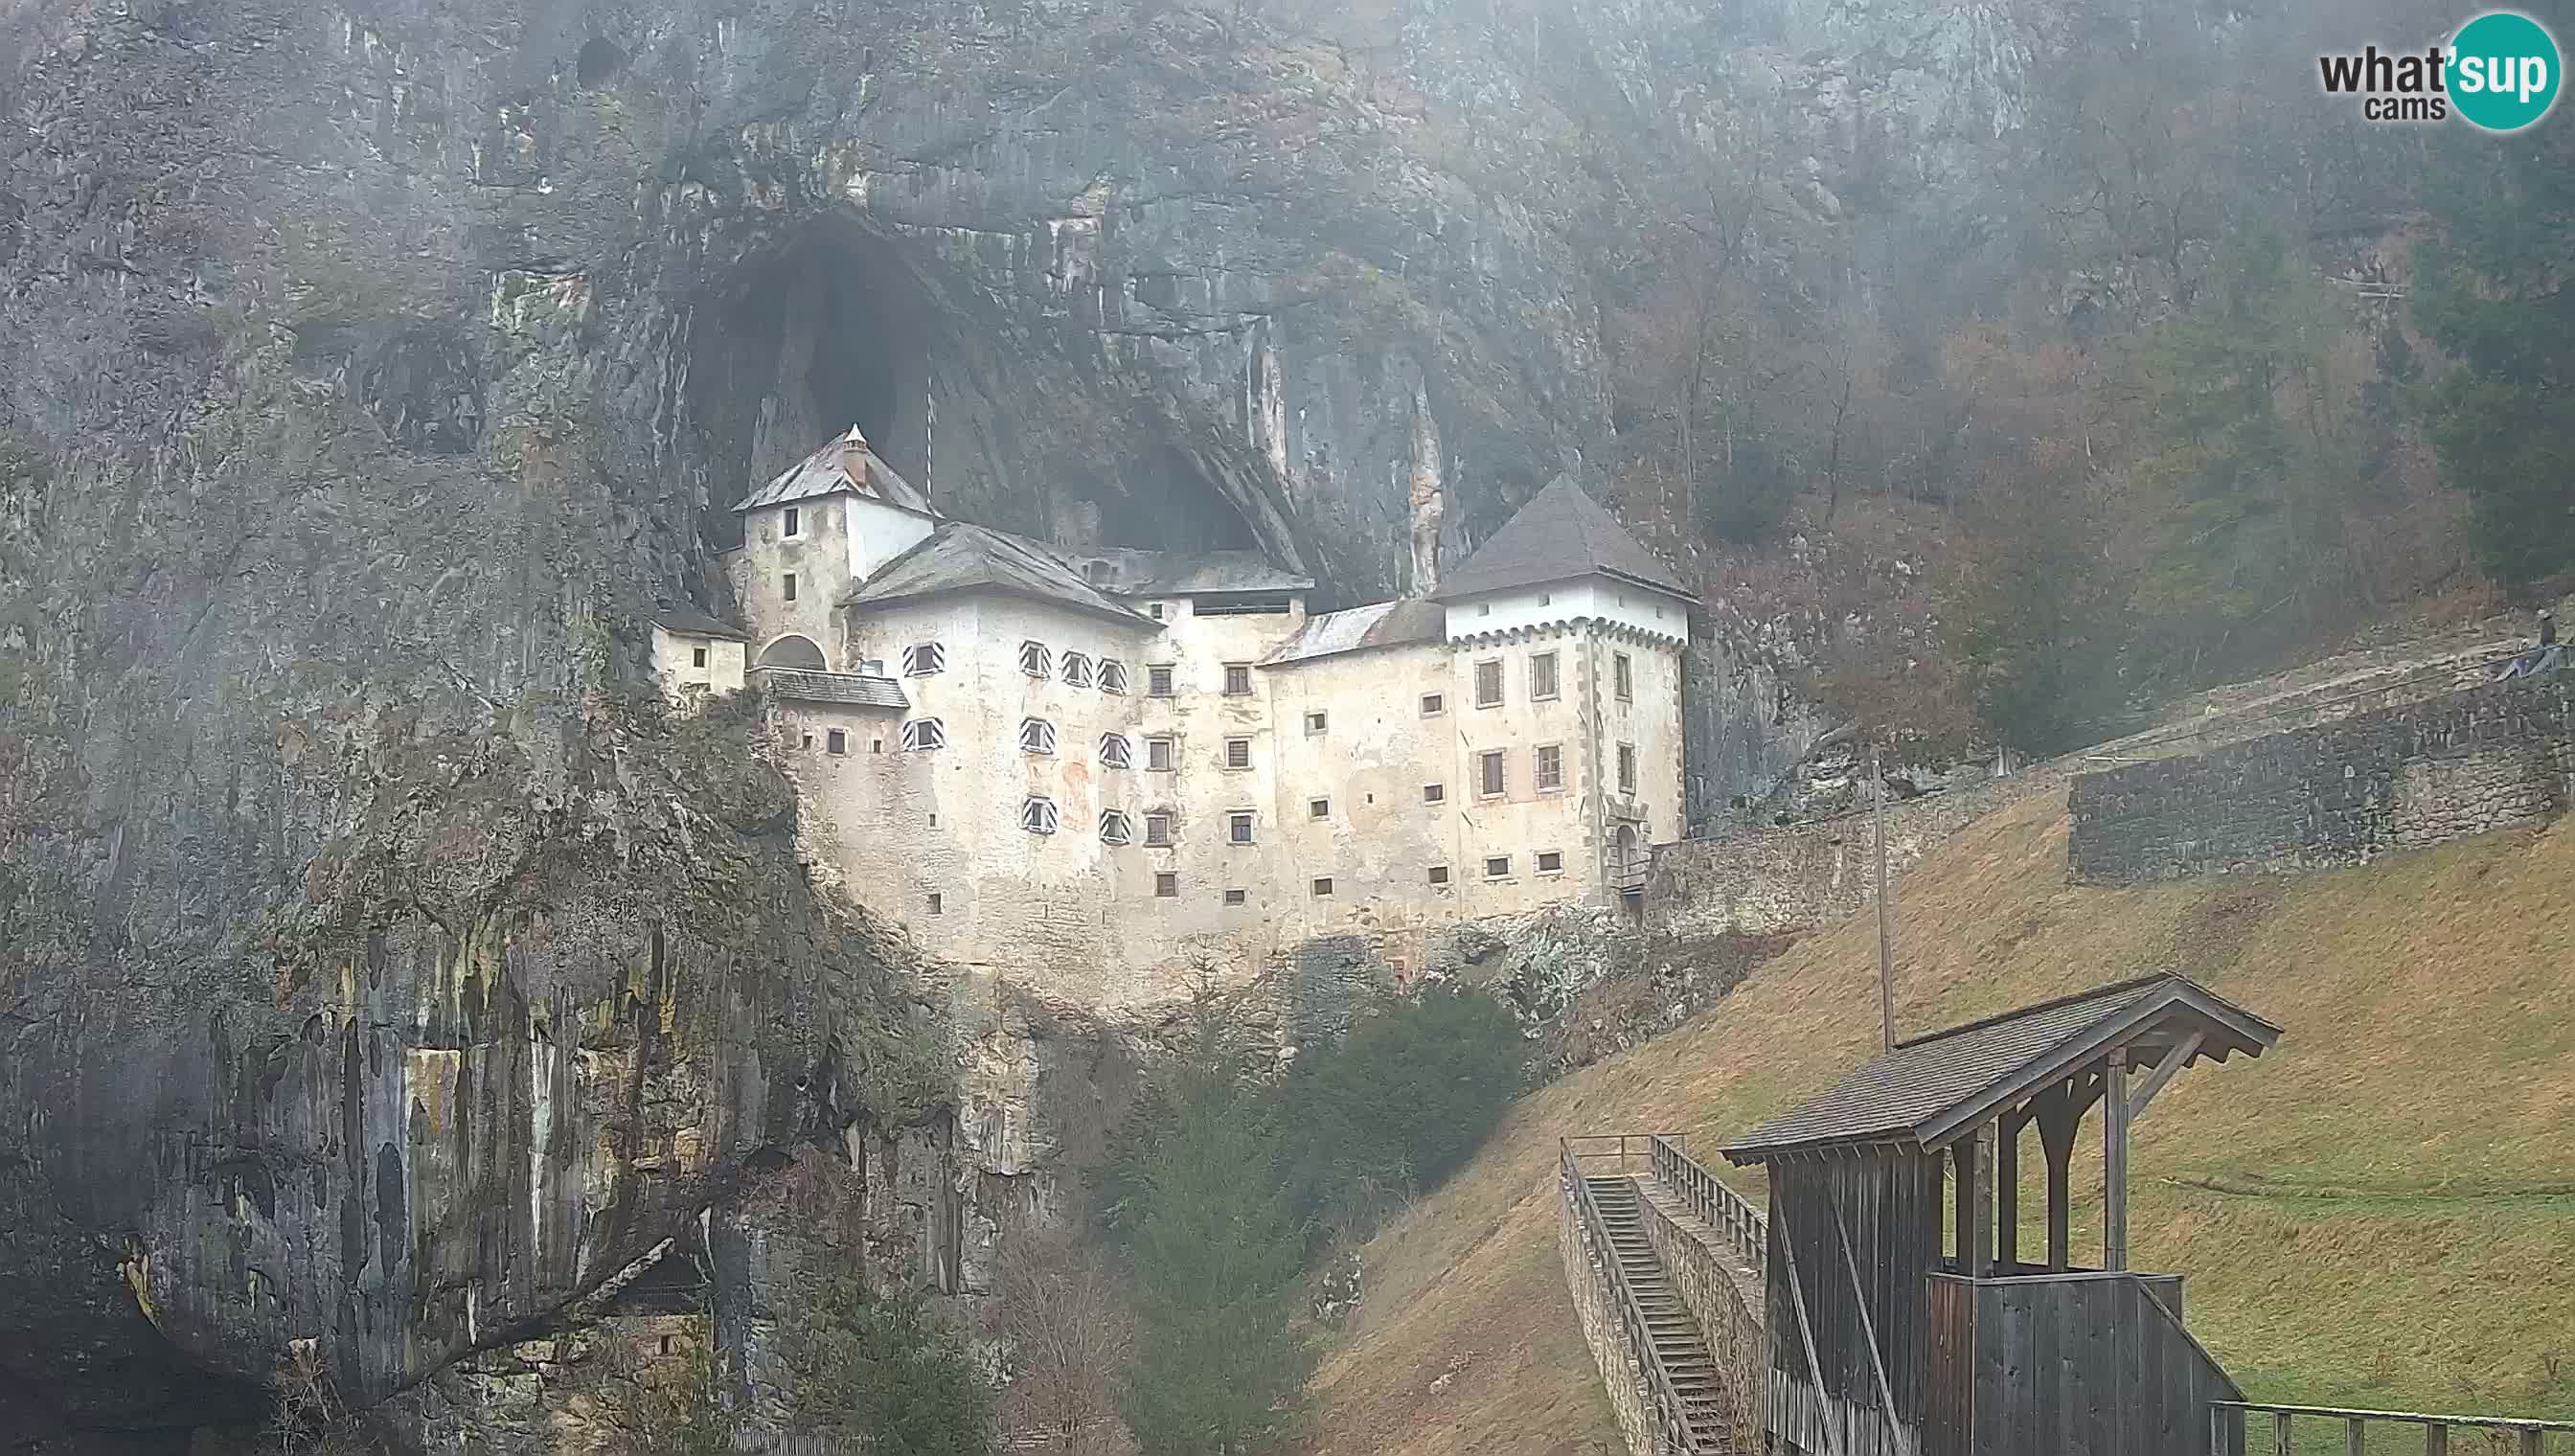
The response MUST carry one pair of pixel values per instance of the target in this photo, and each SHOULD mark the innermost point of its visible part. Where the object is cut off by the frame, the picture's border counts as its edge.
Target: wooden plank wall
(1890, 1209)
(2093, 1364)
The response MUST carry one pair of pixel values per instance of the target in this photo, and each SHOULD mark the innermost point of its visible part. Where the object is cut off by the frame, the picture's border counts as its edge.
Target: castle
(1089, 771)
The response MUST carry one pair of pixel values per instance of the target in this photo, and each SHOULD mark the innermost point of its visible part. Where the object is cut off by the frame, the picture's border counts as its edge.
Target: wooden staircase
(1678, 1345)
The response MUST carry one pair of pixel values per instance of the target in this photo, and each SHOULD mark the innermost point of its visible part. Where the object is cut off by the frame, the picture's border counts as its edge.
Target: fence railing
(1670, 1418)
(2258, 1429)
(1746, 1228)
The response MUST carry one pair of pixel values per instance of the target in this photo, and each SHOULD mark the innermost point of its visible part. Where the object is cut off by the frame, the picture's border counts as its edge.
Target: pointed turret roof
(827, 472)
(1560, 534)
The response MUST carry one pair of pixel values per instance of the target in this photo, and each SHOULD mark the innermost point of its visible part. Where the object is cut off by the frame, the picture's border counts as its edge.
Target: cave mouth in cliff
(829, 328)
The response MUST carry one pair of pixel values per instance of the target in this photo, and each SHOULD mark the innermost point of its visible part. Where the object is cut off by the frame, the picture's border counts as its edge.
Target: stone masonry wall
(1593, 1303)
(2486, 758)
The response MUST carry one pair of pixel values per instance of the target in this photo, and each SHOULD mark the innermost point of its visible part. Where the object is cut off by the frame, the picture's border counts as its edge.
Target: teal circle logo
(2503, 72)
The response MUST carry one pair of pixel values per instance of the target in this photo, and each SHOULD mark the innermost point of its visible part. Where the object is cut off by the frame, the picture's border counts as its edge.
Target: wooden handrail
(1746, 1228)
(1672, 1415)
(2225, 1415)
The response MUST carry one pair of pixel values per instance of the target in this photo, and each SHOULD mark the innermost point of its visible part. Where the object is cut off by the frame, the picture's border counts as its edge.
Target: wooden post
(2058, 1117)
(2007, 1191)
(1885, 942)
(2114, 1163)
(1979, 1233)
(1962, 1171)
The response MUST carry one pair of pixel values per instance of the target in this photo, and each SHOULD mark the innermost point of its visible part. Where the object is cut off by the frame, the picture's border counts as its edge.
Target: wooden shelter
(1903, 1313)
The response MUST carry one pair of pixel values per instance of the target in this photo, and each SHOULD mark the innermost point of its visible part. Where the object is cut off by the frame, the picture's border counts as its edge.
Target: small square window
(934, 903)
(1488, 770)
(1115, 828)
(1547, 767)
(1237, 678)
(1323, 887)
(1112, 675)
(1035, 660)
(1313, 722)
(1077, 671)
(1037, 816)
(1237, 753)
(1488, 683)
(790, 587)
(836, 742)
(1159, 754)
(1157, 681)
(795, 523)
(1158, 828)
(1439, 874)
(1550, 862)
(876, 745)
(1238, 827)
(1154, 610)
(1623, 674)
(922, 659)
(1546, 599)
(1543, 676)
(696, 656)
(1318, 808)
(807, 741)
(1435, 794)
(1037, 736)
(1236, 897)
(1483, 608)
(922, 734)
(1498, 866)
(1115, 752)
(933, 822)
(1167, 886)
(1433, 705)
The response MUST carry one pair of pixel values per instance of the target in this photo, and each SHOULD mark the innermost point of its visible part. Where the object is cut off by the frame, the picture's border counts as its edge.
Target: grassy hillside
(2380, 1212)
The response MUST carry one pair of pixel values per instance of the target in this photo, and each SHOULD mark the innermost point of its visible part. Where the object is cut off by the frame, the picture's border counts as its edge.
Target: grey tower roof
(1561, 532)
(959, 556)
(824, 474)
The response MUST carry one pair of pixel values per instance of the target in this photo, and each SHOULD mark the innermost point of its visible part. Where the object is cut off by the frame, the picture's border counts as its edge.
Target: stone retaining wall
(2419, 774)
(1622, 1374)
(1716, 1298)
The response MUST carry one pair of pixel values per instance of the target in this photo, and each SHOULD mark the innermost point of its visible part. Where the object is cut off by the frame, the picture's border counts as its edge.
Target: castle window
(1543, 676)
(1237, 753)
(1546, 599)
(1313, 722)
(1155, 609)
(1623, 673)
(923, 733)
(1433, 705)
(1167, 886)
(836, 742)
(789, 586)
(1237, 678)
(807, 741)
(934, 903)
(1076, 670)
(1157, 827)
(1037, 816)
(1158, 681)
(1498, 866)
(795, 523)
(876, 745)
(1323, 887)
(1238, 827)
(1627, 768)
(1439, 874)
(1435, 794)
(1318, 808)
(1550, 862)
(1035, 660)
(1488, 683)
(1546, 771)
(696, 656)
(1236, 897)
(1115, 829)
(1037, 736)
(1488, 774)
(1112, 675)
(922, 659)
(1161, 754)
(1098, 574)
(1115, 752)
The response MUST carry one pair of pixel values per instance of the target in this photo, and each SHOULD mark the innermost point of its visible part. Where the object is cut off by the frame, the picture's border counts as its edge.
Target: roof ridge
(2132, 984)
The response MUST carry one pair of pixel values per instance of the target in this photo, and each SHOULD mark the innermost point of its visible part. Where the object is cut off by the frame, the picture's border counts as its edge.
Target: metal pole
(1885, 945)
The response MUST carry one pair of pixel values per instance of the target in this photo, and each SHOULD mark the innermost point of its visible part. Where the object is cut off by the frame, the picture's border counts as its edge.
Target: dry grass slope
(2379, 1213)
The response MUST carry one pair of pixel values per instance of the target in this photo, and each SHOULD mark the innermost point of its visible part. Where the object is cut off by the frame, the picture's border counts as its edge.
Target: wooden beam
(2059, 1115)
(2007, 1190)
(1980, 1207)
(2181, 1052)
(2114, 1163)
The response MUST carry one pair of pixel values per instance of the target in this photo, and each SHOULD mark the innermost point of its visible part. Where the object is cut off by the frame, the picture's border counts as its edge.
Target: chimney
(853, 456)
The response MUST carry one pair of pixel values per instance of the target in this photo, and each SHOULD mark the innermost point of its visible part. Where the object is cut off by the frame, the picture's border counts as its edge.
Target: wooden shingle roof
(1560, 534)
(1932, 1090)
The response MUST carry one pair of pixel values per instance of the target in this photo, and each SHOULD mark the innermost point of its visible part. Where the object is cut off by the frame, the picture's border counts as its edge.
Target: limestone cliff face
(368, 974)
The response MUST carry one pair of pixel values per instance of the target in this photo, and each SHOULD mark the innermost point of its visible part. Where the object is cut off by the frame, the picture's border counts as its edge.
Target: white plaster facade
(1283, 778)
(693, 665)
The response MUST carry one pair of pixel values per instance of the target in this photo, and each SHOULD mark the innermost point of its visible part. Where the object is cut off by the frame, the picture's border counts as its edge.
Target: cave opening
(829, 330)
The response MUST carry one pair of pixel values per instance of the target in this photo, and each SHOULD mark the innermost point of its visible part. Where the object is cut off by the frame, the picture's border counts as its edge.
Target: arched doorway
(792, 651)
